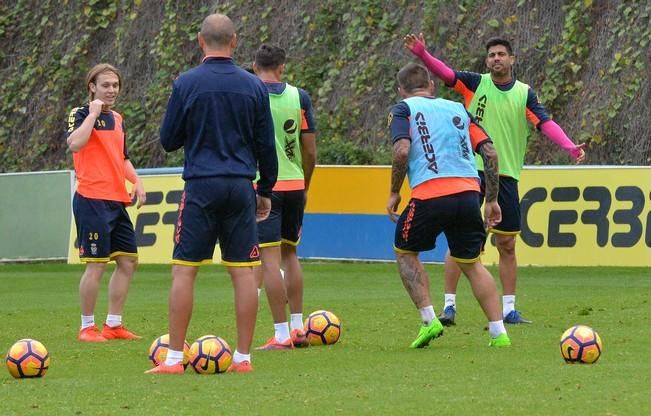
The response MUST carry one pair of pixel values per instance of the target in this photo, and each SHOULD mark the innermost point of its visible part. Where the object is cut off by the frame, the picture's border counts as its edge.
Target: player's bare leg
(484, 288)
(294, 286)
(89, 287)
(293, 278)
(485, 291)
(416, 282)
(181, 302)
(180, 312)
(273, 282)
(246, 305)
(508, 262)
(118, 289)
(508, 275)
(277, 298)
(451, 276)
(88, 290)
(414, 278)
(120, 281)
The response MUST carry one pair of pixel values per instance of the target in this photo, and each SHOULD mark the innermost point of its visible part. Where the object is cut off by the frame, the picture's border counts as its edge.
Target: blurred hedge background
(588, 60)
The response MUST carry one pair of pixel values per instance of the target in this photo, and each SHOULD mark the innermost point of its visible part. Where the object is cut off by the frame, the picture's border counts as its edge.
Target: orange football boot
(272, 344)
(167, 369)
(243, 367)
(118, 332)
(91, 334)
(299, 339)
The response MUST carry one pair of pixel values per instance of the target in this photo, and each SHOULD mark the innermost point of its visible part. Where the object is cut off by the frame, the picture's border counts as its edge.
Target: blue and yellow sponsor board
(583, 216)
(571, 216)
(346, 215)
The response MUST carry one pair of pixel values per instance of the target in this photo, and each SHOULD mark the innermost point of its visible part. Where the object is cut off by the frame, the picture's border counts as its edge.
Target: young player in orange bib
(96, 136)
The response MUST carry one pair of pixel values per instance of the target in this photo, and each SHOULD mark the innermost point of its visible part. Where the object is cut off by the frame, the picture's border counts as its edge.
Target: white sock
(282, 273)
(508, 304)
(238, 357)
(427, 314)
(259, 291)
(173, 357)
(450, 300)
(113, 320)
(495, 328)
(297, 321)
(87, 321)
(281, 331)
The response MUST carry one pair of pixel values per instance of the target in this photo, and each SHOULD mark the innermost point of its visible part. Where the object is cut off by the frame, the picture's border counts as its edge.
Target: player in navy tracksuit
(220, 115)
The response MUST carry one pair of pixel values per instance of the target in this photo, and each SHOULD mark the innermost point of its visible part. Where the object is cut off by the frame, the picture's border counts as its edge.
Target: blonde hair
(94, 72)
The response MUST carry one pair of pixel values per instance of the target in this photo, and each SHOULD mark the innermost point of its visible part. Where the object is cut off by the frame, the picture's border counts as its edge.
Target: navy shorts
(217, 209)
(104, 229)
(458, 216)
(509, 201)
(285, 221)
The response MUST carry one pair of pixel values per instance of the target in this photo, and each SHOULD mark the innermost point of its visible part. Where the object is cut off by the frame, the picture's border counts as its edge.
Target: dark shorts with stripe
(285, 221)
(217, 209)
(458, 216)
(104, 229)
(509, 202)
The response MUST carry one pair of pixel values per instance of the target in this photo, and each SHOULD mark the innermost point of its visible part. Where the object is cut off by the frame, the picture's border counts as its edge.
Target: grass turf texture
(370, 371)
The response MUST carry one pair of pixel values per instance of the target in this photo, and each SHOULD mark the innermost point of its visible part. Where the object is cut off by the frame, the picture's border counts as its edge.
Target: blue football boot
(447, 317)
(515, 317)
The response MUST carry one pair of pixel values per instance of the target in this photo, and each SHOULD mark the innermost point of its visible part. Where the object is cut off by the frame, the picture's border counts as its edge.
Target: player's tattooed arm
(491, 170)
(399, 164)
(398, 173)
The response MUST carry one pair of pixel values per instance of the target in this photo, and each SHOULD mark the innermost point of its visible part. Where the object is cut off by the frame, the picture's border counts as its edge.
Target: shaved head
(217, 30)
(413, 77)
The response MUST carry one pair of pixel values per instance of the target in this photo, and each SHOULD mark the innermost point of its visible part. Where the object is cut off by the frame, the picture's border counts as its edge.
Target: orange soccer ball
(581, 344)
(27, 358)
(322, 327)
(158, 351)
(210, 354)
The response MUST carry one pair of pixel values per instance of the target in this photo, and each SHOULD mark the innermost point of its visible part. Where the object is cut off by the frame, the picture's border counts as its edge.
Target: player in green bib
(280, 233)
(503, 106)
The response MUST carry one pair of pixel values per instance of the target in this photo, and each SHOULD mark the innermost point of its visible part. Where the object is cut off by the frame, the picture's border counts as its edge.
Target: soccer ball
(322, 327)
(210, 355)
(158, 351)
(27, 358)
(581, 344)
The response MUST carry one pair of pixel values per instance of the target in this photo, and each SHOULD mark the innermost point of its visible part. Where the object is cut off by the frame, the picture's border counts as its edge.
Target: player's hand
(413, 43)
(95, 108)
(138, 190)
(392, 206)
(492, 214)
(578, 154)
(263, 208)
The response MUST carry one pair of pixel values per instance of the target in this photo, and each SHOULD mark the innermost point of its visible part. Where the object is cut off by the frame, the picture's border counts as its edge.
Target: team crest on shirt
(389, 119)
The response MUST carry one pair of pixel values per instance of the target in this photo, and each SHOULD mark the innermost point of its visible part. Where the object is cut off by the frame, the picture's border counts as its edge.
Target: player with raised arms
(502, 105)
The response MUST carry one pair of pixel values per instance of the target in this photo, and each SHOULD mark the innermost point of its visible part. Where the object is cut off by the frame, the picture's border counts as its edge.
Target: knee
(128, 264)
(506, 246)
(94, 271)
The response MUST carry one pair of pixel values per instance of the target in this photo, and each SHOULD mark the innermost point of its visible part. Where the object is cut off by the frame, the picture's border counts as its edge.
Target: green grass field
(370, 371)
